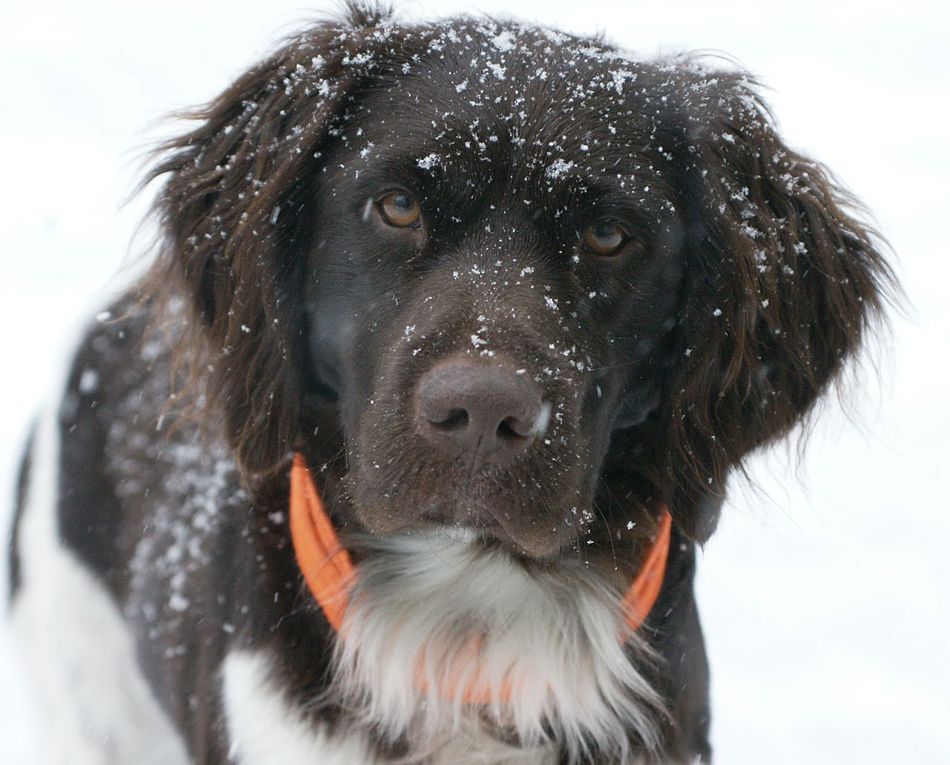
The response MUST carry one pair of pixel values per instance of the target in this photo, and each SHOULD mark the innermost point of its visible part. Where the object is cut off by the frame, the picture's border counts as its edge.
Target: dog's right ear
(236, 213)
(785, 281)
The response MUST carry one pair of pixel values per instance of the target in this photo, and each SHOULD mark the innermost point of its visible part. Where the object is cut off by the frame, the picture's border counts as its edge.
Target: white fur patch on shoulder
(95, 705)
(446, 640)
(265, 728)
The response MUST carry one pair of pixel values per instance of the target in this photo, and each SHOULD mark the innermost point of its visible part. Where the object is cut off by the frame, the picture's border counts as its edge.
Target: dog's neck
(542, 647)
(439, 631)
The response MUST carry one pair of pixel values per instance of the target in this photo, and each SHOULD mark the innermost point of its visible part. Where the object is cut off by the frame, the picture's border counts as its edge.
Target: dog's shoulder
(141, 501)
(105, 368)
(108, 372)
(69, 606)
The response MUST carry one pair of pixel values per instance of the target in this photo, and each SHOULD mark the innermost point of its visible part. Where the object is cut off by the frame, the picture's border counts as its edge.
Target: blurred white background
(825, 593)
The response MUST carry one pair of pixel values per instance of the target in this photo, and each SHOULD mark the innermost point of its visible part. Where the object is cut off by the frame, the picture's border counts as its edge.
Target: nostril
(456, 419)
(508, 430)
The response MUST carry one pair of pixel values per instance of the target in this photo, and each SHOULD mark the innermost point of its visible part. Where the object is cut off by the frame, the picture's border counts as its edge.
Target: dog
(402, 449)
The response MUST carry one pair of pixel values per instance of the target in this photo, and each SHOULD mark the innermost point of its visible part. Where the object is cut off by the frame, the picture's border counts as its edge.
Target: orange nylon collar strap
(330, 574)
(324, 562)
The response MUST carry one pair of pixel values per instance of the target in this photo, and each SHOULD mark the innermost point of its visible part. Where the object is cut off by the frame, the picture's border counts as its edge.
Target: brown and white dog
(512, 294)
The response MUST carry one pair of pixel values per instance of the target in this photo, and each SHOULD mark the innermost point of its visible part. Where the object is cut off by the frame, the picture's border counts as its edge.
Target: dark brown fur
(790, 317)
(749, 282)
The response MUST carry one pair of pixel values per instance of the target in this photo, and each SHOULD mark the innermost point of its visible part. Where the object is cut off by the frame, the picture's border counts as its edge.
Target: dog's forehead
(475, 92)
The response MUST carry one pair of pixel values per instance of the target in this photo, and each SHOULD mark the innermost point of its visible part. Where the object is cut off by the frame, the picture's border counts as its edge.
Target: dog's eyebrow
(457, 156)
(639, 194)
(428, 170)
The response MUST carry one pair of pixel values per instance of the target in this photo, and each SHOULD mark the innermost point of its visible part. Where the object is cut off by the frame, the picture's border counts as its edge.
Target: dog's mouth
(478, 530)
(521, 510)
(465, 525)
(478, 540)
(493, 523)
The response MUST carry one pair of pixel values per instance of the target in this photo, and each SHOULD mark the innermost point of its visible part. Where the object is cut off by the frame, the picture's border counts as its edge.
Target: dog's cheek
(389, 476)
(330, 332)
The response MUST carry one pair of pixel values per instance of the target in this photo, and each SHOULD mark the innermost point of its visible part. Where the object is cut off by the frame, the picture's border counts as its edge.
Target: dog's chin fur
(442, 611)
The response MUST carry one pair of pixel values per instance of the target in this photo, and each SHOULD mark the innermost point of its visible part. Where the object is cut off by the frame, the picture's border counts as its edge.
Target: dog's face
(494, 279)
(538, 285)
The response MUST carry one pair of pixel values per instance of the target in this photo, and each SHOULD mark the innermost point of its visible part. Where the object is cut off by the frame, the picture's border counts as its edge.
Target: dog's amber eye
(605, 238)
(400, 209)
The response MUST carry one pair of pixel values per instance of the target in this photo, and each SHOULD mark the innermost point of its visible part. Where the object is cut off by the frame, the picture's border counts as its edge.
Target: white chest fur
(265, 728)
(433, 617)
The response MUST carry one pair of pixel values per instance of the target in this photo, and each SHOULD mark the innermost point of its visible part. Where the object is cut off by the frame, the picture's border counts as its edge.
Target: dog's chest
(480, 749)
(265, 727)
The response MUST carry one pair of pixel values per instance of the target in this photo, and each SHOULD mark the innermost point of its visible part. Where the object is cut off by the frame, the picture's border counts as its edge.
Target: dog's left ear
(237, 214)
(783, 283)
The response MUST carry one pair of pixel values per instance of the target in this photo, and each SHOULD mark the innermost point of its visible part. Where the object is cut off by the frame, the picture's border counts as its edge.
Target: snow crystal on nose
(544, 419)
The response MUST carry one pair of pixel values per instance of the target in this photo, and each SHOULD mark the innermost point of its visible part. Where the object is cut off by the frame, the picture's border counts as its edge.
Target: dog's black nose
(487, 413)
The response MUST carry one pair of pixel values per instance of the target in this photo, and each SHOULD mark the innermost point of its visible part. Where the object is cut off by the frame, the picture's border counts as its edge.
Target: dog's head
(525, 282)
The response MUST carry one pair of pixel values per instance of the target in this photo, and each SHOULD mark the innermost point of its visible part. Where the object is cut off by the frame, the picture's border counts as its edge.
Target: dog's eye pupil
(605, 237)
(400, 209)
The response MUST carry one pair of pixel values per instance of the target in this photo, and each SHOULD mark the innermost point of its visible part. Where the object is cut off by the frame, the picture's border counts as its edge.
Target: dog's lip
(478, 538)
(482, 523)
(458, 533)
(487, 531)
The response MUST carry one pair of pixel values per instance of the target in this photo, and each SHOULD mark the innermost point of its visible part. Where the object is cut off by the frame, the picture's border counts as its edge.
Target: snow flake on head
(429, 161)
(504, 41)
(558, 169)
(358, 59)
(620, 76)
(496, 69)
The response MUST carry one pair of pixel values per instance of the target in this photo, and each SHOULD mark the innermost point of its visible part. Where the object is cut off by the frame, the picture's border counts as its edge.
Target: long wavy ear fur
(783, 282)
(236, 214)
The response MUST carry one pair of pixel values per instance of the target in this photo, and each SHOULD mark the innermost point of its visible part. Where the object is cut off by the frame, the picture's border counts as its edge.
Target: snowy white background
(825, 593)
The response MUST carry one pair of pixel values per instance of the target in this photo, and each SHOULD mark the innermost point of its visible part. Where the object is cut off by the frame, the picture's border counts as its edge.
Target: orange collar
(330, 574)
